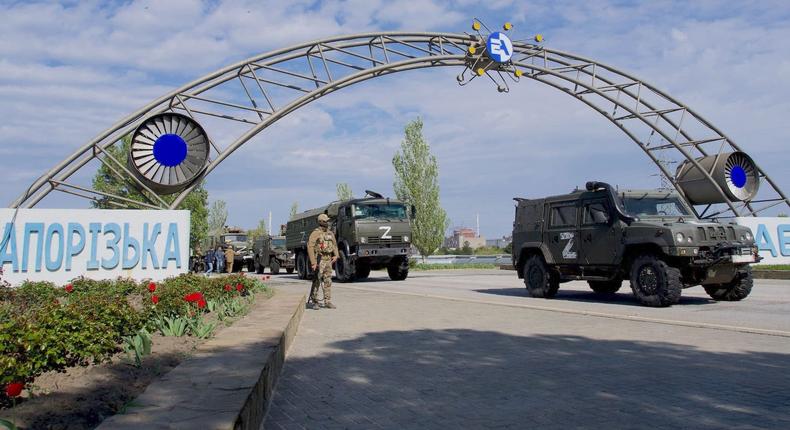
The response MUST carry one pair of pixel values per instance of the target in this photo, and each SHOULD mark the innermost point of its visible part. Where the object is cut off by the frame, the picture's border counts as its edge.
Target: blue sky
(69, 70)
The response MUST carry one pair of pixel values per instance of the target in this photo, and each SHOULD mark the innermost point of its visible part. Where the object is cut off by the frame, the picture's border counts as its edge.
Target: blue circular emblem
(499, 47)
(170, 149)
(738, 176)
(168, 152)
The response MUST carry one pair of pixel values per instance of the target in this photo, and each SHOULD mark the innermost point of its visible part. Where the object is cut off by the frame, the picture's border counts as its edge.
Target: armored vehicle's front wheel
(605, 287)
(289, 270)
(539, 280)
(398, 269)
(258, 266)
(654, 282)
(274, 267)
(735, 290)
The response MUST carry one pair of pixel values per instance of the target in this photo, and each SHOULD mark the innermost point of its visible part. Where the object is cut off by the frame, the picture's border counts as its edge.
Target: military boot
(313, 306)
(329, 305)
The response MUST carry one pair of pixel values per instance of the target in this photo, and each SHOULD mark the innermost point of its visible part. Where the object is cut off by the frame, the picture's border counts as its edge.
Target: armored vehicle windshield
(648, 205)
(278, 243)
(380, 210)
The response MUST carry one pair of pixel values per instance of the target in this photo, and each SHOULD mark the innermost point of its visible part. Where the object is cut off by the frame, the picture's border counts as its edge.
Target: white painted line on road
(723, 327)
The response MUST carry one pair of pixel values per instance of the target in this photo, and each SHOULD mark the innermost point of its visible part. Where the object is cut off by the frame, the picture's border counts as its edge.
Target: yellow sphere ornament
(475, 25)
(480, 71)
(507, 26)
(538, 38)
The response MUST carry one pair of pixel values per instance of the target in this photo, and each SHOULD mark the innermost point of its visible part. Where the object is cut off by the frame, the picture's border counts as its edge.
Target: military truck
(372, 233)
(270, 251)
(236, 238)
(651, 237)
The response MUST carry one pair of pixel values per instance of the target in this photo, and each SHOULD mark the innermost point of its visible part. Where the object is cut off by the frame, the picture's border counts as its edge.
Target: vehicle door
(562, 232)
(598, 237)
(345, 224)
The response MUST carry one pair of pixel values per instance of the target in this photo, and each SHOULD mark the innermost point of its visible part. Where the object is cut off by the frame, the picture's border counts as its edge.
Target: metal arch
(335, 63)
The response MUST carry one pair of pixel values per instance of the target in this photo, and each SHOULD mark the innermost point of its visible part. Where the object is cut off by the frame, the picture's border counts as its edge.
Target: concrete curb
(229, 381)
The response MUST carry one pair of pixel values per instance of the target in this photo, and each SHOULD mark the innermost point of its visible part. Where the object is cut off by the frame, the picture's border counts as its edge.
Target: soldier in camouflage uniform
(322, 250)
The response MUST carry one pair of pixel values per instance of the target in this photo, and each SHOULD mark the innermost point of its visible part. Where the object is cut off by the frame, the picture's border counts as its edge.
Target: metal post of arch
(259, 91)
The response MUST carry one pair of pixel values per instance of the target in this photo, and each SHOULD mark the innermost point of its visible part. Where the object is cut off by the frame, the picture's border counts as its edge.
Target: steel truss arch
(252, 91)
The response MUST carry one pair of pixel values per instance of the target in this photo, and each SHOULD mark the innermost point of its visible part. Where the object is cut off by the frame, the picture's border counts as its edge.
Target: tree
(294, 209)
(344, 191)
(258, 231)
(417, 183)
(107, 181)
(217, 216)
(466, 249)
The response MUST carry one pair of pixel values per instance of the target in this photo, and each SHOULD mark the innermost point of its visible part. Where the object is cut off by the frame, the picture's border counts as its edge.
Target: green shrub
(59, 336)
(48, 328)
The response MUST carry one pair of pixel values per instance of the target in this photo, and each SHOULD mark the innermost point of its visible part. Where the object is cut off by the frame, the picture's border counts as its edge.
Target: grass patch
(423, 266)
(772, 267)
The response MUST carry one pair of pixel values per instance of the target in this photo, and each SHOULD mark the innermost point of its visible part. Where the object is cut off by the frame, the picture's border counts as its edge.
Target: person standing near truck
(219, 259)
(229, 256)
(322, 250)
(209, 259)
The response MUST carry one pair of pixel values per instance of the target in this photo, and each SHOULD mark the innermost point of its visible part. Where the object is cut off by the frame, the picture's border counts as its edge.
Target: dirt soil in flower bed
(82, 397)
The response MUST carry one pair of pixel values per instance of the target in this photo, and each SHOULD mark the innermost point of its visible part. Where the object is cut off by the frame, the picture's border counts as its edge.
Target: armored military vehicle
(652, 238)
(372, 233)
(270, 251)
(236, 238)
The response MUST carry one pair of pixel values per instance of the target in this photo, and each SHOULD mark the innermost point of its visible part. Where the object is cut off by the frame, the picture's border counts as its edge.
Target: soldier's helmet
(323, 219)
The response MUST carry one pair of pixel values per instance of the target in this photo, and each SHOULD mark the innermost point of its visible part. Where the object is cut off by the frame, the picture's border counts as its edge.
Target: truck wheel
(654, 282)
(398, 269)
(274, 267)
(605, 287)
(301, 265)
(735, 290)
(540, 282)
(344, 269)
(363, 271)
(258, 267)
(289, 270)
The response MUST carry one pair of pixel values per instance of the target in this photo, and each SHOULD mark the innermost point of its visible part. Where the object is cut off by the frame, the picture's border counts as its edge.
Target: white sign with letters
(772, 237)
(58, 245)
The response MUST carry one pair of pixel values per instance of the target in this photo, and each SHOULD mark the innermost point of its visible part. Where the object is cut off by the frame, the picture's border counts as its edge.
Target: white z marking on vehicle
(386, 234)
(567, 252)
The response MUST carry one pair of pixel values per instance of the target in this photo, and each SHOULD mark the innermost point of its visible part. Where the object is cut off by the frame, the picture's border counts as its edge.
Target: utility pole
(478, 224)
(270, 223)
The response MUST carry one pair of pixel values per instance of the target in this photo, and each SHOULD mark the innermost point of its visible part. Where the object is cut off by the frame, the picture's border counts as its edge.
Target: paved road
(469, 349)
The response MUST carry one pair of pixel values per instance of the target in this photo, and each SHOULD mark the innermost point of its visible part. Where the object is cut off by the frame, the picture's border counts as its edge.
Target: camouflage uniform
(322, 247)
(230, 254)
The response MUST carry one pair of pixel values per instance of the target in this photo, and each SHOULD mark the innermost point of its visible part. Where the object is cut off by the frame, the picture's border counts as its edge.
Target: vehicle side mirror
(413, 212)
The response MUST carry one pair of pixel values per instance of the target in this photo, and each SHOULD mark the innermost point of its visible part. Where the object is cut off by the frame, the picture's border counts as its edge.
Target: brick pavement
(395, 361)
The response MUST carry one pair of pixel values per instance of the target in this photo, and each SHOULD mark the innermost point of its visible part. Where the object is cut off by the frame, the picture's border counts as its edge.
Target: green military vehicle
(372, 233)
(270, 251)
(238, 239)
(652, 238)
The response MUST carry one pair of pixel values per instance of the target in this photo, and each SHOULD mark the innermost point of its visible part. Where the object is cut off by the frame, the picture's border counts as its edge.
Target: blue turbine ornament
(168, 152)
(742, 177)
